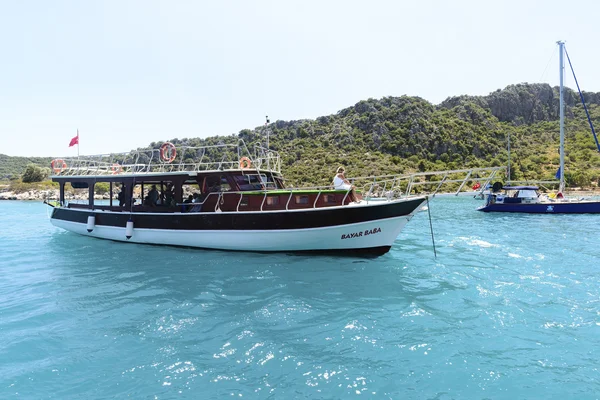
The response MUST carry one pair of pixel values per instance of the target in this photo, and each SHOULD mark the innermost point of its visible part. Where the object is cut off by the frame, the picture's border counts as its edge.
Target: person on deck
(169, 196)
(341, 183)
(152, 197)
(197, 201)
(121, 196)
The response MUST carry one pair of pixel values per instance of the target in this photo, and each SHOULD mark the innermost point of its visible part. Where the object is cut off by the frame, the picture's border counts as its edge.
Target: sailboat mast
(561, 46)
(508, 172)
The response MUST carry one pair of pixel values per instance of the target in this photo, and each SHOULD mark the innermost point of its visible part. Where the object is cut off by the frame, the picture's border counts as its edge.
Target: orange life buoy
(245, 163)
(116, 169)
(58, 165)
(168, 152)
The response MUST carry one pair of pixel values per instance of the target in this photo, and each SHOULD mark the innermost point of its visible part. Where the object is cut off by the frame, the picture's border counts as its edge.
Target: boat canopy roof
(520, 188)
(169, 159)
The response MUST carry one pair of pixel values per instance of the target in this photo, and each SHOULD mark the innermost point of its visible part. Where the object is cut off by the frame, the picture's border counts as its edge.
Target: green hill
(13, 167)
(405, 134)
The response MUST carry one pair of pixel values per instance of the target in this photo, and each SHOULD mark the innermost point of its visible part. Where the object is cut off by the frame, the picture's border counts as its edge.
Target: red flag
(75, 140)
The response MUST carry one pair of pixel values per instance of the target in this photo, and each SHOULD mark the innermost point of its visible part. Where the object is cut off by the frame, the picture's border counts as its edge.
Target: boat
(222, 197)
(529, 199)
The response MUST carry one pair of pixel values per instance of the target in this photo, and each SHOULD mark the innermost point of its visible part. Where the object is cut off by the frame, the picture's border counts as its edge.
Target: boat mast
(508, 172)
(561, 187)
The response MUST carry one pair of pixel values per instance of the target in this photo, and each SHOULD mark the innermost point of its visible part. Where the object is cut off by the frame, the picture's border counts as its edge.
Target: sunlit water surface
(508, 309)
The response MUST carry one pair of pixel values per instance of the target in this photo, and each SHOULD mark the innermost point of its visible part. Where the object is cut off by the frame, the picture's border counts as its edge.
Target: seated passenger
(169, 196)
(341, 183)
(152, 197)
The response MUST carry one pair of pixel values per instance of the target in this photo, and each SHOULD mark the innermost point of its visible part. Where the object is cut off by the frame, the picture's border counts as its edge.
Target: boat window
(528, 194)
(249, 182)
(76, 195)
(301, 199)
(79, 185)
(329, 198)
(225, 186)
(272, 200)
(217, 184)
(138, 195)
(191, 188)
(267, 181)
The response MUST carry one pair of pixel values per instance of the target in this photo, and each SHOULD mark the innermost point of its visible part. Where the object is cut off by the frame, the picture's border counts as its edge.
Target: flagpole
(78, 143)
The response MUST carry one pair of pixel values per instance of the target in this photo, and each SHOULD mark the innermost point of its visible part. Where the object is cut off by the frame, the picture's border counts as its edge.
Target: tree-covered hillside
(13, 167)
(406, 134)
(403, 134)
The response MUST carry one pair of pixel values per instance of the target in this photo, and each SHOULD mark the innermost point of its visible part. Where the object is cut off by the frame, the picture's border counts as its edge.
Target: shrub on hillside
(34, 173)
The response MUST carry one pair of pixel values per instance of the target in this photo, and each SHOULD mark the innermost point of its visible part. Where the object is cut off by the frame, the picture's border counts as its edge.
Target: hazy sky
(129, 72)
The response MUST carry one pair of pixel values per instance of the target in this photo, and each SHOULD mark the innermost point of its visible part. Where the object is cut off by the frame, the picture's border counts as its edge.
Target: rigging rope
(546, 69)
(583, 101)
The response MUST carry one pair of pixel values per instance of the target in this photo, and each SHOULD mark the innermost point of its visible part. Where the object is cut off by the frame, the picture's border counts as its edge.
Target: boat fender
(129, 229)
(91, 223)
(245, 163)
(58, 165)
(168, 152)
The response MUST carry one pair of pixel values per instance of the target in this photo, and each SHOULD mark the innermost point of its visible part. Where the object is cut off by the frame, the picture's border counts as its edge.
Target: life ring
(116, 169)
(245, 163)
(168, 152)
(58, 165)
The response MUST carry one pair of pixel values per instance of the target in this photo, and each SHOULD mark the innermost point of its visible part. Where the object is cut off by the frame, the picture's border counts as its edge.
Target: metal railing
(431, 183)
(184, 159)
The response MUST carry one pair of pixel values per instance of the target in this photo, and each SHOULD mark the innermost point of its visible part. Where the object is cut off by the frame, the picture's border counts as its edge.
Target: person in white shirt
(341, 183)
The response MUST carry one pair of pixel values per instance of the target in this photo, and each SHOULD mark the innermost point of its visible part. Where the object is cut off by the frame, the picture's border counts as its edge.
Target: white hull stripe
(363, 235)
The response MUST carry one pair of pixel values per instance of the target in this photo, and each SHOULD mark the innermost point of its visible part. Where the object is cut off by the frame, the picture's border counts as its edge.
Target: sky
(126, 73)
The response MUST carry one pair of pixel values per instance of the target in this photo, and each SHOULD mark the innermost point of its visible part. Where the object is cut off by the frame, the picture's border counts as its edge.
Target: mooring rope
(431, 227)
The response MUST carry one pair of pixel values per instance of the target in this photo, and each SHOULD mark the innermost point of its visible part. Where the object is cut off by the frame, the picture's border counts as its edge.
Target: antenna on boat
(267, 128)
(561, 46)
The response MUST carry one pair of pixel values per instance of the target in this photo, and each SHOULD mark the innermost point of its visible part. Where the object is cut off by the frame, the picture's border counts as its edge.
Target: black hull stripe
(314, 218)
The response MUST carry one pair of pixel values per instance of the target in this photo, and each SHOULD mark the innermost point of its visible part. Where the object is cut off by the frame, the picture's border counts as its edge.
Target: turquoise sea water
(509, 309)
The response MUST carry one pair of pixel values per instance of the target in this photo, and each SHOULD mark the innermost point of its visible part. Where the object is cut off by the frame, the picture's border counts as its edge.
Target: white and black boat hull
(368, 228)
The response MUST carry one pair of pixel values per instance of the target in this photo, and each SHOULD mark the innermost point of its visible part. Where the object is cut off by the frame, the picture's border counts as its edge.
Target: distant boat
(527, 199)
